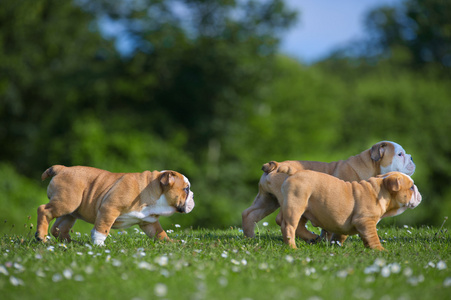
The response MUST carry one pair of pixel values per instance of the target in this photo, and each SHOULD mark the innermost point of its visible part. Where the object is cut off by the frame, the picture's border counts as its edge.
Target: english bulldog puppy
(345, 208)
(381, 158)
(111, 200)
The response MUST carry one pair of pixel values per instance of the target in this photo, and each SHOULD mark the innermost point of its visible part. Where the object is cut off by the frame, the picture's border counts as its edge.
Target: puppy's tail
(269, 167)
(52, 171)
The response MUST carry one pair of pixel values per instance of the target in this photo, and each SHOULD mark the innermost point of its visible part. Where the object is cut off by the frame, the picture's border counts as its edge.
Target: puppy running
(111, 200)
(345, 208)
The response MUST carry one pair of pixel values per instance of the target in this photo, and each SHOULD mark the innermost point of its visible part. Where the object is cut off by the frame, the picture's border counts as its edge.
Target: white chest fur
(148, 214)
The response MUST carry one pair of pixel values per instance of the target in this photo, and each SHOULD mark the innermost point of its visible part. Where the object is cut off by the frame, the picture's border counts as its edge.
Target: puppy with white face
(111, 200)
(345, 208)
(381, 158)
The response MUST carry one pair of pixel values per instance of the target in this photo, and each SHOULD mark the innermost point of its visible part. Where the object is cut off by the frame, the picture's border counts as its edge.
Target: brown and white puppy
(111, 200)
(342, 207)
(381, 158)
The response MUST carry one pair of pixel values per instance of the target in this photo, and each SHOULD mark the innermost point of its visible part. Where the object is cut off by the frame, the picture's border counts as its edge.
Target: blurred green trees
(196, 86)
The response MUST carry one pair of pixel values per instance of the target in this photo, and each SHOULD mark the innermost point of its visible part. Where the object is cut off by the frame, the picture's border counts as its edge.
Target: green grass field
(222, 264)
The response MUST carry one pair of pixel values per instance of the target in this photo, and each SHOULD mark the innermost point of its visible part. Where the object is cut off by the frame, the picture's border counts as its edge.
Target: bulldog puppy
(346, 208)
(381, 158)
(111, 200)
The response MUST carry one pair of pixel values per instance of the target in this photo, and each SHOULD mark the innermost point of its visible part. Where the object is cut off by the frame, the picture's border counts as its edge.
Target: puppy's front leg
(154, 230)
(105, 219)
(368, 232)
(288, 232)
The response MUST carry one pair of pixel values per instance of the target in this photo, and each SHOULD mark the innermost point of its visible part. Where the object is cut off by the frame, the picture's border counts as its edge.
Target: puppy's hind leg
(62, 227)
(48, 212)
(263, 205)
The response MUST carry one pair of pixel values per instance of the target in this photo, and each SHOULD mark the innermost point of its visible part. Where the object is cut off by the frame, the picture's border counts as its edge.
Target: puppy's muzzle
(189, 204)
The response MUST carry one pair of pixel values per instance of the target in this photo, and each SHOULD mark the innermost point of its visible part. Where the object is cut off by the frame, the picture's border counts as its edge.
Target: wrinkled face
(404, 193)
(392, 158)
(176, 188)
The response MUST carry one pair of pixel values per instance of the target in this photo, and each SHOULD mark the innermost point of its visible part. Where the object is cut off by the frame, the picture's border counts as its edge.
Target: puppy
(345, 208)
(111, 200)
(381, 158)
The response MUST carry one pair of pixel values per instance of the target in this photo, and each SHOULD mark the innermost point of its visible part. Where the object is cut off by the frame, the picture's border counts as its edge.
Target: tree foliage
(196, 86)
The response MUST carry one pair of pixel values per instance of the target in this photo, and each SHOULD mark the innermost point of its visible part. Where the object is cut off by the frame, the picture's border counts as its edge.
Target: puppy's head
(176, 189)
(392, 157)
(403, 192)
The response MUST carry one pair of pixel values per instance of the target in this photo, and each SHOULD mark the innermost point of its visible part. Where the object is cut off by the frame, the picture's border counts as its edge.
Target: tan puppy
(381, 158)
(111, 200)
(344, 207)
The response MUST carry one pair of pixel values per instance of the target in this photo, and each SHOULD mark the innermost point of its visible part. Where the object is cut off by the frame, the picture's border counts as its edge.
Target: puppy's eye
(412, 188)
(186, 189)
(400, 154)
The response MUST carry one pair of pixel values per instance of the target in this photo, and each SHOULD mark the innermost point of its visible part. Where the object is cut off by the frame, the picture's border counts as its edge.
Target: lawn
(222, 264)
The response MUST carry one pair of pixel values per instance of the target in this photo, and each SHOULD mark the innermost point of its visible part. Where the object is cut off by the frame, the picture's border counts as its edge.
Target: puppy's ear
(392, 183)
(377, 151)
(167, 178)
(269, 167)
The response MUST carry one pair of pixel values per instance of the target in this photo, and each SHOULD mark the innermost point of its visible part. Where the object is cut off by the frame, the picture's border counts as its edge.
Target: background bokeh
(201, 87)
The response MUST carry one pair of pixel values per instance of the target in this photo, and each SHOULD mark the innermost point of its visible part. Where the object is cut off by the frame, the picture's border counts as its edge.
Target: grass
(222, 264)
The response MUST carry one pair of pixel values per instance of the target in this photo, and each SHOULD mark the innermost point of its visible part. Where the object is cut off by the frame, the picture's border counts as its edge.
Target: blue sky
(324, 25)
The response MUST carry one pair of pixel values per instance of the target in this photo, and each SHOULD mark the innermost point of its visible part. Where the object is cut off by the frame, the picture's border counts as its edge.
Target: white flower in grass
(19, 267)
(67, 273)
(160, 290)
(38, 256)
(289, 258)
(380, 262)
(15, 281)
(88, 246)
(310, 271)
(371, 269)
(162, 260)
(57, 277)
(265, 224)
(165, 273)
(395, 268)
(223, 281)
(244, 262)
(40, 273)
(224, 254)
(441, 265)
(50, 248)
(408, 272)
(342, 274)
(62, 245)
(116, 263)
(430, 264)
(146, 266)
(235, 262)
(177, 225)
(169, 231)
(385, 272)
(89, 270)
(263, 266)
(447, 282)
(4, 271)
(80, 253)
(78, 278)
